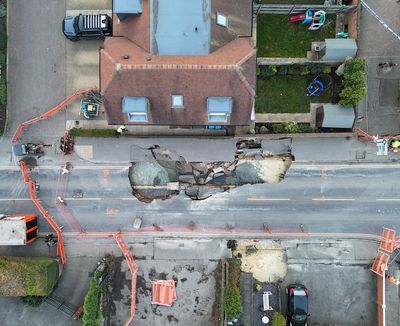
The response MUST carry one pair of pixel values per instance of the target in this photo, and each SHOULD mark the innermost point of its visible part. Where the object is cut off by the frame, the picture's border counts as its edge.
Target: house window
(222, 19)
(219, 108)
(177, 101)
(136, 108)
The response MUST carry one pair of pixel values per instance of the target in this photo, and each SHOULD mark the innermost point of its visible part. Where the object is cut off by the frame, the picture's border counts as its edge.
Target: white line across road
(16, 199)
(388, 199)
(332, 199)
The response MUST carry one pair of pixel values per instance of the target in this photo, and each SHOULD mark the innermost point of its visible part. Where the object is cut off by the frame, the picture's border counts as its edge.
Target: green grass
(77, 132)
(27, 276)
(286, 94)
(290, 2)
(277, 37)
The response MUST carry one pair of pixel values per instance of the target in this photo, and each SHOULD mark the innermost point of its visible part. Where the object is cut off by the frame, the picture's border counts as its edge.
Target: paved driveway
(36, 66)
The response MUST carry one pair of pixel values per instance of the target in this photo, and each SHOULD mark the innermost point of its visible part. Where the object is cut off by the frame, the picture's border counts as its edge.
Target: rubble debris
(170, 173)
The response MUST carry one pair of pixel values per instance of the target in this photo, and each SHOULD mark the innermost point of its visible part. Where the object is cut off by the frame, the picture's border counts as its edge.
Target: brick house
(179, 63)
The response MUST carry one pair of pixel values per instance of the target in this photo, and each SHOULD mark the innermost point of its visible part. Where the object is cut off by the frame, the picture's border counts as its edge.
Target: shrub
(32, 300)
(291, 127)
(354, 84)
(2, 58)
(327, 70)
(283, 70)
(91, 305)
(266, 71)
(278, 319)
(232, 302)
(3, 92)
(3, 41)
(3, 10)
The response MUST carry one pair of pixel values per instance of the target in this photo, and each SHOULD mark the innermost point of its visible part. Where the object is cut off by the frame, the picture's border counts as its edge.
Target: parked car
(80, 27)
(297, 305)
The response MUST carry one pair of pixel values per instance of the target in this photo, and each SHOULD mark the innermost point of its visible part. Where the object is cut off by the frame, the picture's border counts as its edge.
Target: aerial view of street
(199, 162)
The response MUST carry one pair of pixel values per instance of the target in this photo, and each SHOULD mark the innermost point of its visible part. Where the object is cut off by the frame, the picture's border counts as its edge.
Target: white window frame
(210, 114)
(132, 114)
(221, 19)
(180, 98)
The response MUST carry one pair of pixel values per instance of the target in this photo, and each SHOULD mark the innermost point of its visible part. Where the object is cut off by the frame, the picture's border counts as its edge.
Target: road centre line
(18, 199)
(387, 199)
(82, 199)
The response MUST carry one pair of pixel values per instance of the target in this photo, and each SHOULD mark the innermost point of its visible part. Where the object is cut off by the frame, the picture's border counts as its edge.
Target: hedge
(232, 302)
(91, 307)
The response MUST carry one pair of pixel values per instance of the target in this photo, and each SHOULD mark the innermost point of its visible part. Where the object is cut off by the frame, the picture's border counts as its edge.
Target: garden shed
(335, 116)
(338, 49)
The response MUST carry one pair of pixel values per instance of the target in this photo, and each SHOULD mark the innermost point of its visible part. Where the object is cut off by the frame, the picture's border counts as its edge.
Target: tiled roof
(228, 72)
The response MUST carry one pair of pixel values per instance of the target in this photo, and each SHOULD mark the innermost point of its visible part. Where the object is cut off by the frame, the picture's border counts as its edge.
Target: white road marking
(333, 199)
(387, 199)
(19, 199)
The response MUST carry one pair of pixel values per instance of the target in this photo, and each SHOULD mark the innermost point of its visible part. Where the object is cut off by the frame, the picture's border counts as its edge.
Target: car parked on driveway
(80, 27)
(297, 305)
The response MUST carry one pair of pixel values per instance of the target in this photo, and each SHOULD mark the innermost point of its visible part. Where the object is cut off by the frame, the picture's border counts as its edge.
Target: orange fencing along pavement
(20, 129)
(132, 267)
(46, 215)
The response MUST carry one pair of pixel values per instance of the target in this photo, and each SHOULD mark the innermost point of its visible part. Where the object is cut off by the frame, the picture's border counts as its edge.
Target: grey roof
(219, 104)
(337, 116)
(127, 6)
(12, 231)
(180, 27)
(134, 104)
(339, 49)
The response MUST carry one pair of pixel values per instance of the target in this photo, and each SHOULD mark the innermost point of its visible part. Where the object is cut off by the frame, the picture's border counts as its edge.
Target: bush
(232, 302)
(3, 92)
(266, 71)
(32, 300)
(3, 41)
(327, 70)
(354, 84)
(291, 127)
(278, 319)
(91, 305)
(3, 10)
(2, 58)
(283, 70)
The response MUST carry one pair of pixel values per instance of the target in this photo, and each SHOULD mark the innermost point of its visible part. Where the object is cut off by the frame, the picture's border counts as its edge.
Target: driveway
(36, 64)
(379, 111)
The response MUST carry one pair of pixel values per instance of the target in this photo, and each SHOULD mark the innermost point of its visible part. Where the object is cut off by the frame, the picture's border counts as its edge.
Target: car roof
(300, 301)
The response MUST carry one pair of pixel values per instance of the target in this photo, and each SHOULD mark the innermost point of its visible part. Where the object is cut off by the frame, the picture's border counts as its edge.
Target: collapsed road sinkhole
(167, 174)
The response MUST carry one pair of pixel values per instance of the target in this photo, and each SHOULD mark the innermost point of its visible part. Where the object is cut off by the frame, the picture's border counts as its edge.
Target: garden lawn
(286, 94)
(277, 37)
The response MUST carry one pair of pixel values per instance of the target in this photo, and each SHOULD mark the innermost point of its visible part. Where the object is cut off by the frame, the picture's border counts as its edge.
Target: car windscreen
(300, 302)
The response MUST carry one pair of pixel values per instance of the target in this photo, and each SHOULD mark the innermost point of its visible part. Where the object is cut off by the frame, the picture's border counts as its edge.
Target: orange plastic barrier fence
(132, 267)
(20, 129)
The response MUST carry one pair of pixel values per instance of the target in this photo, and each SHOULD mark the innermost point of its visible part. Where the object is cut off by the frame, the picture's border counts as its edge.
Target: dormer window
(219, 109)
(222, 20)
(177, 101)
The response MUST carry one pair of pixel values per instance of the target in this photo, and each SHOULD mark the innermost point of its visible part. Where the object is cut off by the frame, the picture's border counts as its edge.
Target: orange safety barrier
(380, 300)
(132, 267)
(380, 263)
(24, 170)
(164, 292)
(388, 240)
(20, 129)
(46, 215)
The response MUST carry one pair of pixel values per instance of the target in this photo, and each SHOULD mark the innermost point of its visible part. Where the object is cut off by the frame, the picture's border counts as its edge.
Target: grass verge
(78, 132)
(277, 37)
(27, 276)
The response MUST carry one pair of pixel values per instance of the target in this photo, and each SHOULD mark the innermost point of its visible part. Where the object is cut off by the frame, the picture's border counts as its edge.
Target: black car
(80, 27)
(297, 305)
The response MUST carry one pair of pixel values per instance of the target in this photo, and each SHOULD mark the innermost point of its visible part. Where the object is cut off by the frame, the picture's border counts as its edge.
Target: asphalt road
(327, 199)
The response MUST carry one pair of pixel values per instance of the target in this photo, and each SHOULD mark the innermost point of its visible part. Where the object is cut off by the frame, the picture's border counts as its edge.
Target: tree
(232, 302)
(278, 319)
(354, 84)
